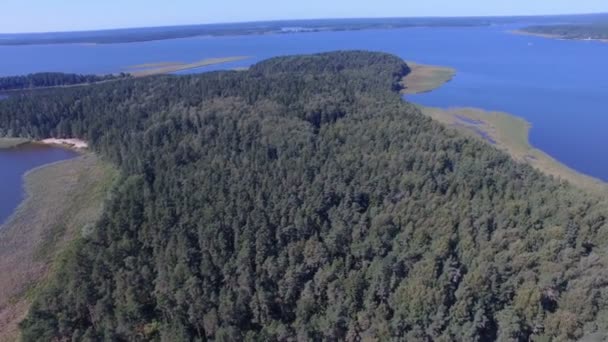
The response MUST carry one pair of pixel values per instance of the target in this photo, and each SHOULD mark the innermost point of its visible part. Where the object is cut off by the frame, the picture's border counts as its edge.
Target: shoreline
(425, 78)
(162, 68)
(555, 36)
(71, 143)
(8, 143)
(506, 132)
(62, 199)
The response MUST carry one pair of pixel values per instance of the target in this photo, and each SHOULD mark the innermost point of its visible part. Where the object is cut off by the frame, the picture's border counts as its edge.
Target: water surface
(561, 87)
(14, 163)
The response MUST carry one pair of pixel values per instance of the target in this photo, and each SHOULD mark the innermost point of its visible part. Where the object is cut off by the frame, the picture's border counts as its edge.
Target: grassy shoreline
(6, 143)
(62, 199)
(425, 78)
(506, 132)
(160, 68)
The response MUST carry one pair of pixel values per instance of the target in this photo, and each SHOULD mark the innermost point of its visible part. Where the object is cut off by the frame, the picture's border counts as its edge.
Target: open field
(12, 142)
(425, 78)
(506, 132)
(63, 199)
(160, 68)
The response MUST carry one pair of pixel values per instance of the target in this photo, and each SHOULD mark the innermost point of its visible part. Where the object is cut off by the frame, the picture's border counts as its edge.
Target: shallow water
(561, 87)
(14, 163)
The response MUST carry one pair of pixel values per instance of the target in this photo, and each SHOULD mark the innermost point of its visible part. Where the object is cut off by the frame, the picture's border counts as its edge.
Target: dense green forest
(303, 199)
(581, 31)
(52, 79)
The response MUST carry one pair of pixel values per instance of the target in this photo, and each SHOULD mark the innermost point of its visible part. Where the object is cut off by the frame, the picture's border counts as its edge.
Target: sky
(72, 15)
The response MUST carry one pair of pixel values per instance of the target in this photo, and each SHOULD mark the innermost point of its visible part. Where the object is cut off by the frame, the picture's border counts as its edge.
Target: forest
(304, 199)
(52, 79)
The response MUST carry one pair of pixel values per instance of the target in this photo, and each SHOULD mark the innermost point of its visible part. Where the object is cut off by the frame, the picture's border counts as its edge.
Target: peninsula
(504, 131)
(598, 31)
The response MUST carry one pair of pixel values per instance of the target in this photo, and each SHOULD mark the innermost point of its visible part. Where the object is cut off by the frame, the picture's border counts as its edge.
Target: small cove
(15, 163)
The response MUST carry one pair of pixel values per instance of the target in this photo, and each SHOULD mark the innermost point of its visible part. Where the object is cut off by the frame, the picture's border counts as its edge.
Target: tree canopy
(303, 199)
(52, 79)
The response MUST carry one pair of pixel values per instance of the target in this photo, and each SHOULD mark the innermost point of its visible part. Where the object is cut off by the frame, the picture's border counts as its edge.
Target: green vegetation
(302, 199)
(52, 79)
(63, 199)
(150, 69)
(510, 134)
(424, 78)
(597, 31)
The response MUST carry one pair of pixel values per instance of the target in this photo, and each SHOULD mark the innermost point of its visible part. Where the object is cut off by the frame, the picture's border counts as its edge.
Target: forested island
(303, 199)
(52, 79)
(597, 31)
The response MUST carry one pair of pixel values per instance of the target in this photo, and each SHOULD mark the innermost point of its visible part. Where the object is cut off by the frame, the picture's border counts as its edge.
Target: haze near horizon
(75, 15)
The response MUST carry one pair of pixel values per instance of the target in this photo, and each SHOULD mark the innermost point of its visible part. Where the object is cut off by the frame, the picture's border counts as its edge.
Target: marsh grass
(505, 131)
(511, 134)
(62, 199)
(12, 142)
(160, 68)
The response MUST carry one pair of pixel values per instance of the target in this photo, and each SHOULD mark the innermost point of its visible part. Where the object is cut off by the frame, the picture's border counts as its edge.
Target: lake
(14, 163)
(561, 87)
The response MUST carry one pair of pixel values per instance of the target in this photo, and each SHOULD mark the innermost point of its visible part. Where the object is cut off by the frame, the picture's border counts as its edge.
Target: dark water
(561, 87)
(14, 163)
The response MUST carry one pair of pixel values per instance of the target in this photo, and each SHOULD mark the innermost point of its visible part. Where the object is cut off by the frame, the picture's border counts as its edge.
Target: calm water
(14, 163)
(561, 87)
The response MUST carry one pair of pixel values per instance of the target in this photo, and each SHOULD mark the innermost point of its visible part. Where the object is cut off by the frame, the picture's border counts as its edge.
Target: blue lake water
(14, 163)
(561, 87)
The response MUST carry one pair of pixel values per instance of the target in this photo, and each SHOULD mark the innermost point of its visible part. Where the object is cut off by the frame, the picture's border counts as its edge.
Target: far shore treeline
(52, 79)
(598, 31)
(303, 199)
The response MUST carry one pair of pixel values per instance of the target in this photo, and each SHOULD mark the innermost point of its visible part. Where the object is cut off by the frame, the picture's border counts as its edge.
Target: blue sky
(69, 15)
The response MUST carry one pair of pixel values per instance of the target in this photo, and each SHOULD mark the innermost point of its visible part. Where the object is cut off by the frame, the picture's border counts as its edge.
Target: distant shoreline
(555, 36)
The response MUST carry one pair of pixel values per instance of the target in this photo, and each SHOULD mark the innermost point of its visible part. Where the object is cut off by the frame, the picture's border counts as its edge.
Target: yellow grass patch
(160, 68)
(424, 78)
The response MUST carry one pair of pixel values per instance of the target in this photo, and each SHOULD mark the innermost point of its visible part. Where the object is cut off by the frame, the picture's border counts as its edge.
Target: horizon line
(301, 19)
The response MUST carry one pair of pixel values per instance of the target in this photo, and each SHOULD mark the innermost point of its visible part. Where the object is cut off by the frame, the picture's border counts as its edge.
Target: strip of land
(63, 200)
(424, 78)
(71, 143)
(559, 36)
(12, 142)
(504, 131)
(160, 68)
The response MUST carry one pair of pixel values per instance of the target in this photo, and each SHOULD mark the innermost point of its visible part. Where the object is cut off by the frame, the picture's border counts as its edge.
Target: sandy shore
(72, 143)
